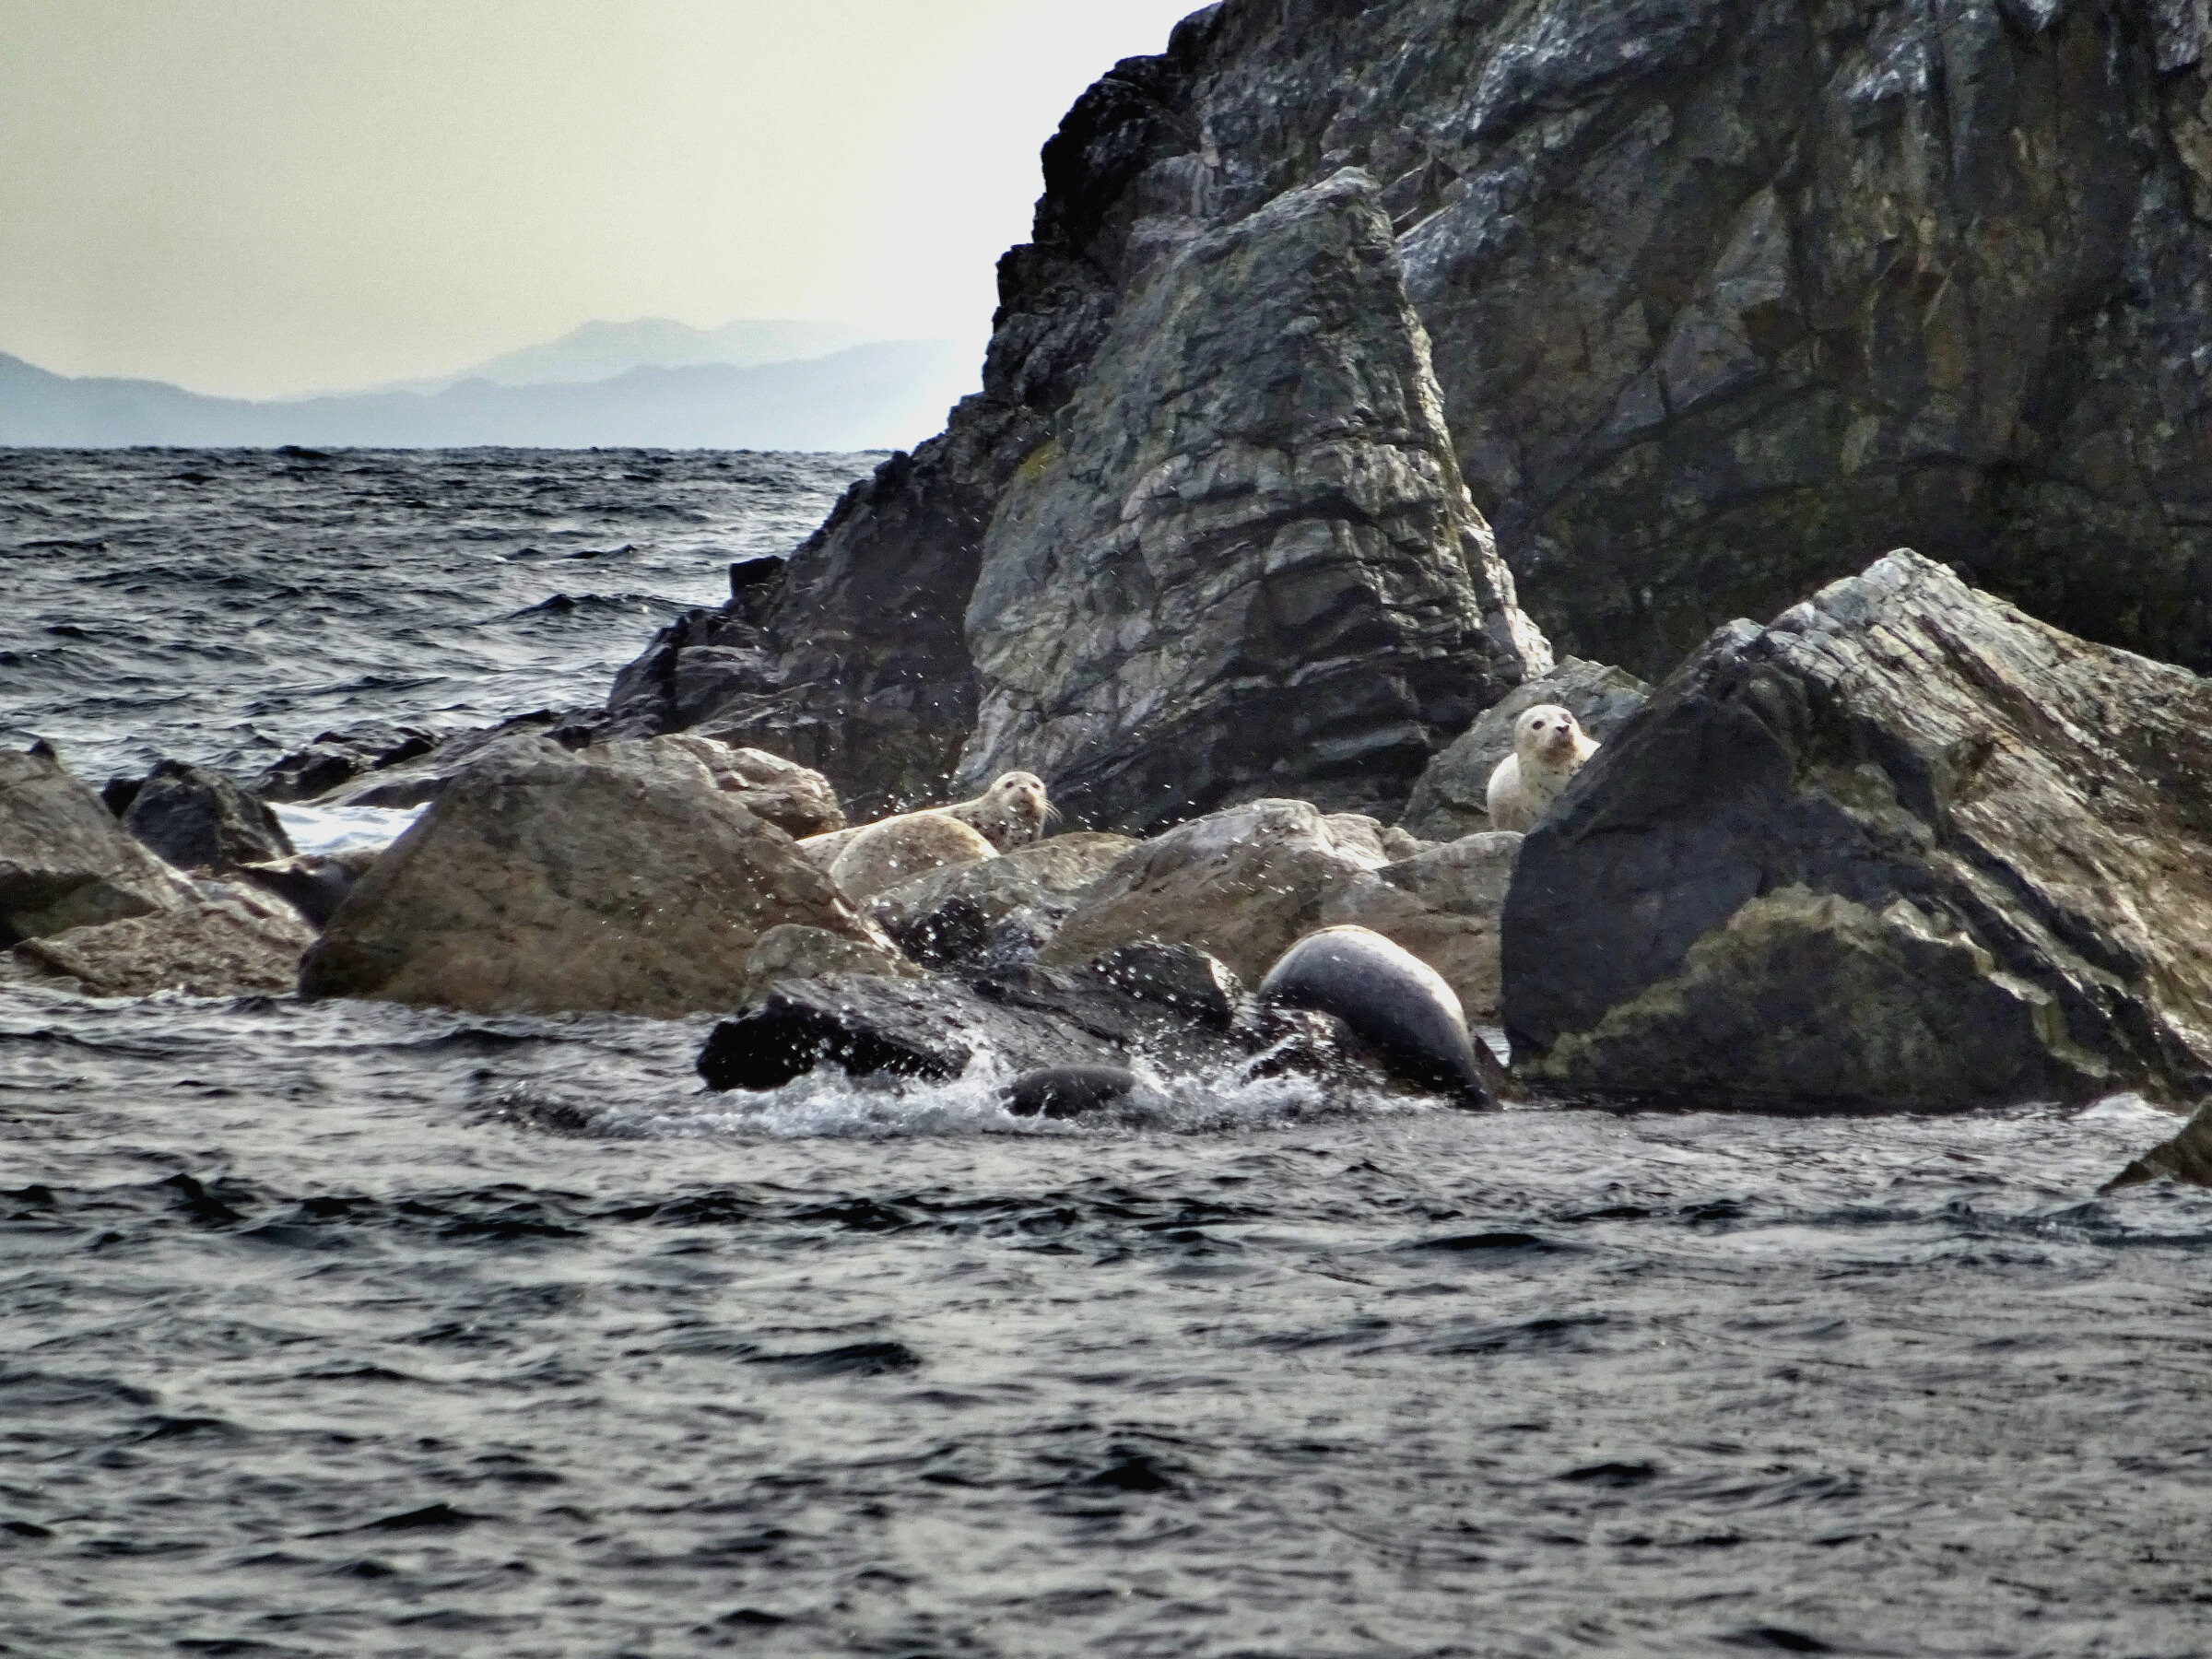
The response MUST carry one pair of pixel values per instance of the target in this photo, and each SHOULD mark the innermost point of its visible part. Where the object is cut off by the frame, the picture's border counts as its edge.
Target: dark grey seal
(1066, 1092)
(1393, 1002)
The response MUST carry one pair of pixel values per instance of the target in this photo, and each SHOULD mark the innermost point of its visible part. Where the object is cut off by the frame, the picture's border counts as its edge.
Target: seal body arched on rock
(1390, 1000)
(1012, 813)
(1548, 748)
(899, 849)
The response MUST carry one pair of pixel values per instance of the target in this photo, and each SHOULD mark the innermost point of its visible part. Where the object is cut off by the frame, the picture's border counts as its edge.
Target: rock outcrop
(1906, 847)
(2186, 1157)
(1724, 298)
(65, 862)
(195, 819)
(1244, 564)
(1451, 799)
(618, 879)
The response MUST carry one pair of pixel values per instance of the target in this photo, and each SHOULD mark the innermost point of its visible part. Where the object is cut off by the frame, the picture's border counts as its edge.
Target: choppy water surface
(224, 606)
(347, 1330)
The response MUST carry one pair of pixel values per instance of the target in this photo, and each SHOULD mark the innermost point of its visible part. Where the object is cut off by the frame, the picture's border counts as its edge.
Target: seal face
(1549, 747)
(1392, 1001)
(1012, 813)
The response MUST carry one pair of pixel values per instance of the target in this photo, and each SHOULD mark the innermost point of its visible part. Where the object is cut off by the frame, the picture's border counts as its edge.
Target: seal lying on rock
(1548, 748)
(1012, 813)
(886, 855)
(1390, 1000)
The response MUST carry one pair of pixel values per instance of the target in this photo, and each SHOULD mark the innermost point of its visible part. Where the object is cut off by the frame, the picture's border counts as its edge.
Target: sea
(342, 1330)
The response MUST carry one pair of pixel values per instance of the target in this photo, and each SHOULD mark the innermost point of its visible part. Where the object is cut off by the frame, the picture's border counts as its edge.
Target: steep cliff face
(1725, 296)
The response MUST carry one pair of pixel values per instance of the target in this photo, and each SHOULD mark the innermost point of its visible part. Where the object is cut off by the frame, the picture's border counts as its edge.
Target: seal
(1391, 1001)
(1066, 1092)
(1012, 813)
(1548, 748)
(899, 849)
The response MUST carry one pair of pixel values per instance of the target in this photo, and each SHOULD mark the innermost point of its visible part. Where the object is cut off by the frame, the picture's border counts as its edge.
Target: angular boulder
(1452, 797)
(1244, 564)
(196, 818)
(1011, 901)
(242, 943)
(795, 799)
(793, 951)
(618, 879)
(65, 862)
(1906, 847)
(2187, 1158)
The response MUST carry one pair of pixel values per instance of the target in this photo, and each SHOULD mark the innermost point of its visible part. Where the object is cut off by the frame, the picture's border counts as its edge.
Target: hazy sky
(262, 197)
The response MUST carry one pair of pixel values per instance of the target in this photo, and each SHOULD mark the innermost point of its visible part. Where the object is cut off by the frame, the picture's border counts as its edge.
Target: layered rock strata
(1906, 847)
(1724, 298)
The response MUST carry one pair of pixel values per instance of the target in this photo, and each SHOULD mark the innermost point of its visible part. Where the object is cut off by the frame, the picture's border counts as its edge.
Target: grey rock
(794, 798)
(1906, 847)
(1244, 564)
(1003, 905)
(1452, 798)
(195, 819)
(240, 942)
(794, 951)
(65, 862)
(336, 759)
(2185, 1157)
(618, 879)
(314, 884)
(420, 775)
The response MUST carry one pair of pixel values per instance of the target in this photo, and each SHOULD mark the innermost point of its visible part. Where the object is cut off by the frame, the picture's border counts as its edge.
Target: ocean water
(342, 1330)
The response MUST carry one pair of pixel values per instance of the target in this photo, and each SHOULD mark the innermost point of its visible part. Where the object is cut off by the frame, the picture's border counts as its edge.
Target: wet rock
(2187, 1158)
(1002, 905)
(618, 879)
(931, 1030)
(242, 943)
(65, 862)
(794, 798)
(195, 819)
(1243, 885)
(338, 757)
(1906, 847)
(314, 884)
(423, 774)
(796, 952)
(1244, 564)
(1246, 884)
(1444, 905)
(1452, 797)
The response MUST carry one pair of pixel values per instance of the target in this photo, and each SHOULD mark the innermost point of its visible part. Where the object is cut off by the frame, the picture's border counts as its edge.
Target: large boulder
(618, 877)
(1451, 796)
(1244, 564)
(794, 951)
(196, 818)
(234, 941)
(1906, 847)
(65, 862)
(794, 798)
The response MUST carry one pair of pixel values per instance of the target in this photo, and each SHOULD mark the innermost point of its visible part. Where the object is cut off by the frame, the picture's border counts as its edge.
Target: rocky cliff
(1724, 297)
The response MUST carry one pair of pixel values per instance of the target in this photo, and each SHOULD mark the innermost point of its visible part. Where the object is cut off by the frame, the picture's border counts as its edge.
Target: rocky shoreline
(1213, 553)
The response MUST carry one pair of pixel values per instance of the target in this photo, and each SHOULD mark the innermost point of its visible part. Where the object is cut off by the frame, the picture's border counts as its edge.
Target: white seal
(1548, 748)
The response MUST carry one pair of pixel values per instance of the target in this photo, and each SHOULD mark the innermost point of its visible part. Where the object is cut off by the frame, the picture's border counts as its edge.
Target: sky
(263, 197)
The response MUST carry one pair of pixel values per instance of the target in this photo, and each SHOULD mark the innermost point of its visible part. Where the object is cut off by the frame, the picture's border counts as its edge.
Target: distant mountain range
(885, 394)
(601, 351)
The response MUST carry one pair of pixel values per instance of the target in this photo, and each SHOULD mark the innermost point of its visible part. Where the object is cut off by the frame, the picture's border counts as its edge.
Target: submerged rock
(618, 879)
(1906, 847)
(195, 819)
(1452, 797)
(65, 862)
